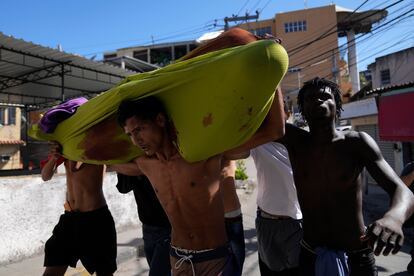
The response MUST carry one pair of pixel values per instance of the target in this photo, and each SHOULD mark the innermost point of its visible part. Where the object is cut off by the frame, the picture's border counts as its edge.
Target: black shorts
(86, 236)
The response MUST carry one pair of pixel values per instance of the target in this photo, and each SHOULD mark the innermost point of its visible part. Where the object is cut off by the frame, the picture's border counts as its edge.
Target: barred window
(385, 77)
(296, 26)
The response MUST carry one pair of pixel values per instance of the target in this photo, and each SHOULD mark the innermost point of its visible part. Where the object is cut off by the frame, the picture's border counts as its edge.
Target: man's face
(145, 134)
(319, 104)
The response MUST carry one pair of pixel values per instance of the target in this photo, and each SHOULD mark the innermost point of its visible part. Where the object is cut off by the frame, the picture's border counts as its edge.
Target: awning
(38, 77)
(11, 142)
(396, 115)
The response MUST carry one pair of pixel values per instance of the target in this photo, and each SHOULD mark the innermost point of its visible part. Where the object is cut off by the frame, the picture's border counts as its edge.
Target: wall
(30, 208)
(400, 65)
(11, 132)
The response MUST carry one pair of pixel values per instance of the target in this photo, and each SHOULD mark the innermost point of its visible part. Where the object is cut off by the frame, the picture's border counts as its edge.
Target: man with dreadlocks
(326, 167)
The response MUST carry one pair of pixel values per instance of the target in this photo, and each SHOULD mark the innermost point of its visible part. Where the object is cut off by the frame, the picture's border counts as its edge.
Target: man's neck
(323, 133)
(167, 152)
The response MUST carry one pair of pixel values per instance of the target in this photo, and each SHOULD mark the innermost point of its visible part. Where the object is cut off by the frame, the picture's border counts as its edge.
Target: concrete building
(393, 69)
(386, 111)
(297, 28)
(10, 138)
(156, 54)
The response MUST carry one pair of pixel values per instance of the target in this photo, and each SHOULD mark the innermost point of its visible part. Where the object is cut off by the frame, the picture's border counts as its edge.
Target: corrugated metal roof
(381, 90)
(30, 74)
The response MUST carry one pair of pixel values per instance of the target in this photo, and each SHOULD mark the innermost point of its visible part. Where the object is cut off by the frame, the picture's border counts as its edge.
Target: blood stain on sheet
(208, 120)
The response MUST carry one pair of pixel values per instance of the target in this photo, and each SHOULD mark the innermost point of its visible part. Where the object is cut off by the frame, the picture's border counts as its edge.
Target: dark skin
(327, 165)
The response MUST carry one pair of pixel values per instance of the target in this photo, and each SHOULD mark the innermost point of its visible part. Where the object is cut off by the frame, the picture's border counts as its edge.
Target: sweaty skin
(189, 192)
(228, 186)
(84, 189)
(84, 181)
(327, 164)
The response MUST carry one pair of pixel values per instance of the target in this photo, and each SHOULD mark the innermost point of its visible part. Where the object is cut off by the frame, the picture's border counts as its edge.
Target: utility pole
(239, 18)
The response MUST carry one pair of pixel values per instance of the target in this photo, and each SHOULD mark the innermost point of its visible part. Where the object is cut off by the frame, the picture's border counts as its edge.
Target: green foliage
(241, 170)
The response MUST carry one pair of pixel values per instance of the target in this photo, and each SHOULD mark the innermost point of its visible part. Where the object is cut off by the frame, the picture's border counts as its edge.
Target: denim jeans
(157, 249)
(235, 234)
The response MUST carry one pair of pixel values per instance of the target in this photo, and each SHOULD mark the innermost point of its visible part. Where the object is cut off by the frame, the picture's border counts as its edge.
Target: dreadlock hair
(145, 109)
(320, 83)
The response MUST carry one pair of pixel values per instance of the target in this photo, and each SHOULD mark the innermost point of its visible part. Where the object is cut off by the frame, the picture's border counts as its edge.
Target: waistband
(102, 209)
(263, 214)
(311, 249)
(239, 218)
(233, 214)
(197, 256)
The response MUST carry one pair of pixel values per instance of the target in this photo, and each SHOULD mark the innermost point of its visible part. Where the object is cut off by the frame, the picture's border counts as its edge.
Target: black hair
(146, 109)
(320, 83)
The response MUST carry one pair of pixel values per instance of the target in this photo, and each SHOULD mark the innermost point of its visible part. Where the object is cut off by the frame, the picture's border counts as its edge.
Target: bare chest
(334, 167)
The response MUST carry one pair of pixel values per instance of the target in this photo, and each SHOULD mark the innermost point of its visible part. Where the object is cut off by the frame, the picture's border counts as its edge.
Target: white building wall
(30, 208)
(400, 64)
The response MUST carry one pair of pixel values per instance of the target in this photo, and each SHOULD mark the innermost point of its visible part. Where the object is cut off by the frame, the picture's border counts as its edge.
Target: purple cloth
(54, 116)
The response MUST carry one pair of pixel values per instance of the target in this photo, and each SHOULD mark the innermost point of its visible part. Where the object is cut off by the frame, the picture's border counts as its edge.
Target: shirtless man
(326, 166)
(189, 192)
(86, 231)
(233, 217)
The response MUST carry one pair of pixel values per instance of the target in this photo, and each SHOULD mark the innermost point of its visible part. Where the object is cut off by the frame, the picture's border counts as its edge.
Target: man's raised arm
(131, 168)
(272, 128)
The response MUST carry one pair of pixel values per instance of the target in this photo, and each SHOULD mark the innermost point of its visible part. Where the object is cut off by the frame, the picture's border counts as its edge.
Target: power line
(382, 50)
(267, 3)
(321, 45)
(336, 48)
(326, 34)
(245, 3)
(367, 57)
(187, 29)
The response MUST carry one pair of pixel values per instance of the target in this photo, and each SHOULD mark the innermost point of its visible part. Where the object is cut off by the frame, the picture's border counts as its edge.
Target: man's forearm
(402, 205)
(49, 169)
(130, 169)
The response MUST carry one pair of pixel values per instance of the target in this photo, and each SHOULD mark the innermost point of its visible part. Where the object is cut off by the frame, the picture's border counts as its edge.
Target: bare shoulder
(293, 135)
(364, 144)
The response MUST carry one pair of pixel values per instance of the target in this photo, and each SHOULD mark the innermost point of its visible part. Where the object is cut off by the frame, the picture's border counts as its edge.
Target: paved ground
(130, 245)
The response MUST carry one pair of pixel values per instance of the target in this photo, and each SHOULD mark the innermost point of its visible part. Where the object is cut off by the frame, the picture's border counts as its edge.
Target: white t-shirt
(276, 188)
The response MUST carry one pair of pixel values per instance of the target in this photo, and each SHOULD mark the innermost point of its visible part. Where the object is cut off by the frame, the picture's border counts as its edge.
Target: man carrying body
(156, 229)
(188, 192)
(86, 231)
(326, 166)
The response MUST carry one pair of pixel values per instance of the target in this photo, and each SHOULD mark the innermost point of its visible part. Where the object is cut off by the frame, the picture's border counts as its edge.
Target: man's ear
(160, 120)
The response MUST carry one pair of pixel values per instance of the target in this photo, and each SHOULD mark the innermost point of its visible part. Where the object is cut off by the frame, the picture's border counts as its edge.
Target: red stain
(208, 120)
(103, 141)
(243, 127)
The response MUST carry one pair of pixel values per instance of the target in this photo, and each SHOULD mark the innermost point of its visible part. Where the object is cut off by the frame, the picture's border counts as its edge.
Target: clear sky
(91, 27)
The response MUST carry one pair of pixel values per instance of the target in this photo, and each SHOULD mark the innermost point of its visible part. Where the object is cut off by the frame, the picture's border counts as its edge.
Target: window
(2, 116)
(262, 31)
(385, 77)
(296, 26)
(11, 116)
